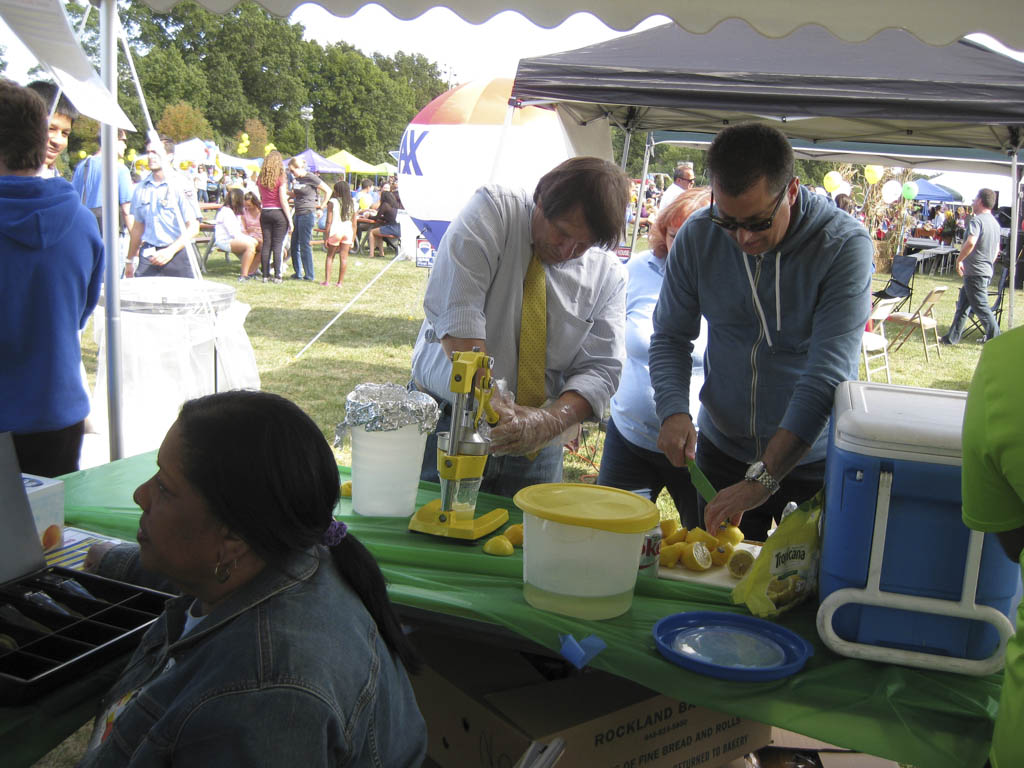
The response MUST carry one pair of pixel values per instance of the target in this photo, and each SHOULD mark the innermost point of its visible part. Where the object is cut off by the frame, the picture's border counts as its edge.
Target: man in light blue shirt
(88, 179)
(166, 219)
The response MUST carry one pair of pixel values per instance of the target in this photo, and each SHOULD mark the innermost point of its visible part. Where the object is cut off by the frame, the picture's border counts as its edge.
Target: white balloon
(844, 188)
(891, 191)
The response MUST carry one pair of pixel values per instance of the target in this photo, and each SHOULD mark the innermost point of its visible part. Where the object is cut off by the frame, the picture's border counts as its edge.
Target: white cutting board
(716, 575)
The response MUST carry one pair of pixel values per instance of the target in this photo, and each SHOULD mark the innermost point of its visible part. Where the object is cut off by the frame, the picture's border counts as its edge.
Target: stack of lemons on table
(697, 550)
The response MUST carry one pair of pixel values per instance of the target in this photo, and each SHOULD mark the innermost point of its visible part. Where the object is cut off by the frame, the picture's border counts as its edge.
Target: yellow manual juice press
(462, 455)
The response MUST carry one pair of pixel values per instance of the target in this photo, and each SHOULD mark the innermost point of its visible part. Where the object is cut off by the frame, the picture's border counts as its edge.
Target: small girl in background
(251, 211)
(340, 228)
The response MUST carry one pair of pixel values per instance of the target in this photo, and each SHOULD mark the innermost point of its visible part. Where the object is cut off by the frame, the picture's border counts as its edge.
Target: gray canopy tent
(891, 89)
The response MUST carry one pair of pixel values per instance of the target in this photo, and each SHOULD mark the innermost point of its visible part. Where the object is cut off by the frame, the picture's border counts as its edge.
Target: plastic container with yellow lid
(581, 547)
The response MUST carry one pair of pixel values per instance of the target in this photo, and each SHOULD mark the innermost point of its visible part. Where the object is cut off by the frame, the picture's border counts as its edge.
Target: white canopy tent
(942, 22)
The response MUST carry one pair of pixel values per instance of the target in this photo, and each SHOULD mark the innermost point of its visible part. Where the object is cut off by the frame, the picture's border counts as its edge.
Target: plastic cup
(386, 470)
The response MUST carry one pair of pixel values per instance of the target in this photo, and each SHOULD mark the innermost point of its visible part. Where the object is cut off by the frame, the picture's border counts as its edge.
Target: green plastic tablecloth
(925, 718)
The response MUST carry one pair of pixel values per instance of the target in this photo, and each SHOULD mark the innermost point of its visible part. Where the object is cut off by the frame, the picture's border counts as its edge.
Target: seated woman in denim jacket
(283, 648)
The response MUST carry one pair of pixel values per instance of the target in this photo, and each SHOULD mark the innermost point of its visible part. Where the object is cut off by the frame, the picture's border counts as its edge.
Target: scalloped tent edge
(944, 21)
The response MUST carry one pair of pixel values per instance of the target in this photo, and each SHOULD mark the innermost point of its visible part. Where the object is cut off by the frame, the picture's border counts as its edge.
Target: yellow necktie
(533, 337)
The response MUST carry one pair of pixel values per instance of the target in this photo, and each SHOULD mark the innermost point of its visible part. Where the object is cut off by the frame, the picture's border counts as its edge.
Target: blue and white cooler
(902, 579)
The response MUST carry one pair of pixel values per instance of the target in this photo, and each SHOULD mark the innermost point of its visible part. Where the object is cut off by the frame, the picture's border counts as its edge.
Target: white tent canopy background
(939, 23)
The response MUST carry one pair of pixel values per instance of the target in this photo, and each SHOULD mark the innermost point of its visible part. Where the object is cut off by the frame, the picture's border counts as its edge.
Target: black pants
(178, 266)
(723, 470)
(49, 454)
(274, 224)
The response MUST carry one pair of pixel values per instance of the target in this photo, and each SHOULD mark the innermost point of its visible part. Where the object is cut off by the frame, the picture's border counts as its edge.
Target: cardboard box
(46, 497)
(606, 721)
(786, 743)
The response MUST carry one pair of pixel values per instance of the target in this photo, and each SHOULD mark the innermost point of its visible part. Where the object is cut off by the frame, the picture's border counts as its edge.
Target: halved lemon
(740, 563)
(720, 555)
(670, 554)
(499, 545)
(699, 534)
(669, 526)
(514, 533)
(696, 556)
(730, 533)
(676, 537)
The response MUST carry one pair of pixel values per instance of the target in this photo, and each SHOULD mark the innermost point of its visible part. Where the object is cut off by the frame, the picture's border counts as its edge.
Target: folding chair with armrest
(874, 346)
(901, 281)
(923, 318)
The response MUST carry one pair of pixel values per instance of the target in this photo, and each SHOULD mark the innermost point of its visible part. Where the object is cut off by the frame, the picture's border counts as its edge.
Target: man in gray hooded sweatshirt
(783, 278)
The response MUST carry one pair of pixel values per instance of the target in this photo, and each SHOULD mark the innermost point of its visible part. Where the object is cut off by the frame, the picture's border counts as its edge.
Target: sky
(463, 51)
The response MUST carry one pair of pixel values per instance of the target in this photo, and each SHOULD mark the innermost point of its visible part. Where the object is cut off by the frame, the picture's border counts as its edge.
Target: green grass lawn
(373, 341)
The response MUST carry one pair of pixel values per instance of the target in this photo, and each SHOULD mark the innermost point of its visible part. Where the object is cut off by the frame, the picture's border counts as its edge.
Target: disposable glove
(522, 430)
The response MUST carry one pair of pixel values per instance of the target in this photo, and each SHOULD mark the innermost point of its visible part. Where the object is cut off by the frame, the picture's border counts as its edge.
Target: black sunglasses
(751, 226)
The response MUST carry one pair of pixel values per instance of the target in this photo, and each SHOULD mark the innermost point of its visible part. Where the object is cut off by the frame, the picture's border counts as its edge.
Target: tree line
(218, 76)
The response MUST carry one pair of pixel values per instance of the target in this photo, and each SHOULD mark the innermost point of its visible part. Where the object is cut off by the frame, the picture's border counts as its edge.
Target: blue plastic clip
(579, 654)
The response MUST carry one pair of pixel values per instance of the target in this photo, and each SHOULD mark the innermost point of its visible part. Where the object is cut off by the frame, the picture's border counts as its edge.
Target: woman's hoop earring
(222, 571)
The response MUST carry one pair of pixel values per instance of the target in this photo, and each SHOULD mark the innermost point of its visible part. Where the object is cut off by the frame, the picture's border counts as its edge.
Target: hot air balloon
(459, 142)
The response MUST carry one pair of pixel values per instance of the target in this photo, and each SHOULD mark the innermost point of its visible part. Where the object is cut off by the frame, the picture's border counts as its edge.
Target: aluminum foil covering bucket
(389, 427)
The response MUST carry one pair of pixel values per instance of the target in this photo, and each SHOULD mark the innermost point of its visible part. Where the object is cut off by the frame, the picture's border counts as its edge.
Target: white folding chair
(923, 318)
(874, 346)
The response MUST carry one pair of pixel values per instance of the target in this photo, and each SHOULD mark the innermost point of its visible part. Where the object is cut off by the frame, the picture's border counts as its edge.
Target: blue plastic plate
(731, 646)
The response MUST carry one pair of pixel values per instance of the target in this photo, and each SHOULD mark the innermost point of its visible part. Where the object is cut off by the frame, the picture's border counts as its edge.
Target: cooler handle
(871, 594)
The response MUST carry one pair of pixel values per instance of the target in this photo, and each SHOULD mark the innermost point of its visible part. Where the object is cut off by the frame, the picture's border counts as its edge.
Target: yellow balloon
(873, 173)
(245, 137)
(81, 154)
(832, 181)
(131, 154)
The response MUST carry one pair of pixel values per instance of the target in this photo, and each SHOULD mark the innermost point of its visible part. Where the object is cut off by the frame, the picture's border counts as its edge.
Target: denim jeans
(723, 470)
(974, 296)
(302, 251)
(627, 466)
(503, 475)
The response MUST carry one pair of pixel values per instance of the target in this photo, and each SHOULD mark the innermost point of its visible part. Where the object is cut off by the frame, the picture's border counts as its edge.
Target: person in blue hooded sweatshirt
(50, 275)
(783, 278)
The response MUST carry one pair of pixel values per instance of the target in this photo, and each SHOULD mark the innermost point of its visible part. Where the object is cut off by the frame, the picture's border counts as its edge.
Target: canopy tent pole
(625, 150)
(111, 209)
(648, 148)
(1014, 229)
(510, 112)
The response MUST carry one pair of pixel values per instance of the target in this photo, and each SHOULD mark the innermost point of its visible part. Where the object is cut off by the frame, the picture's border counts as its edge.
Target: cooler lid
(892, 421)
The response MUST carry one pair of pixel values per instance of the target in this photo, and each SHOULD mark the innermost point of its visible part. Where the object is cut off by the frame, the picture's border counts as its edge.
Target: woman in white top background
(228, 235)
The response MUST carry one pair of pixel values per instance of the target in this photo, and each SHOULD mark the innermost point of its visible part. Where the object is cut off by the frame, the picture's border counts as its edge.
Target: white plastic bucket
(579, 567)
(386, 470)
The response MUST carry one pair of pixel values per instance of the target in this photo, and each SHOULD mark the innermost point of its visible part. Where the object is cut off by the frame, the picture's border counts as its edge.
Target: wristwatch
(758, 473)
